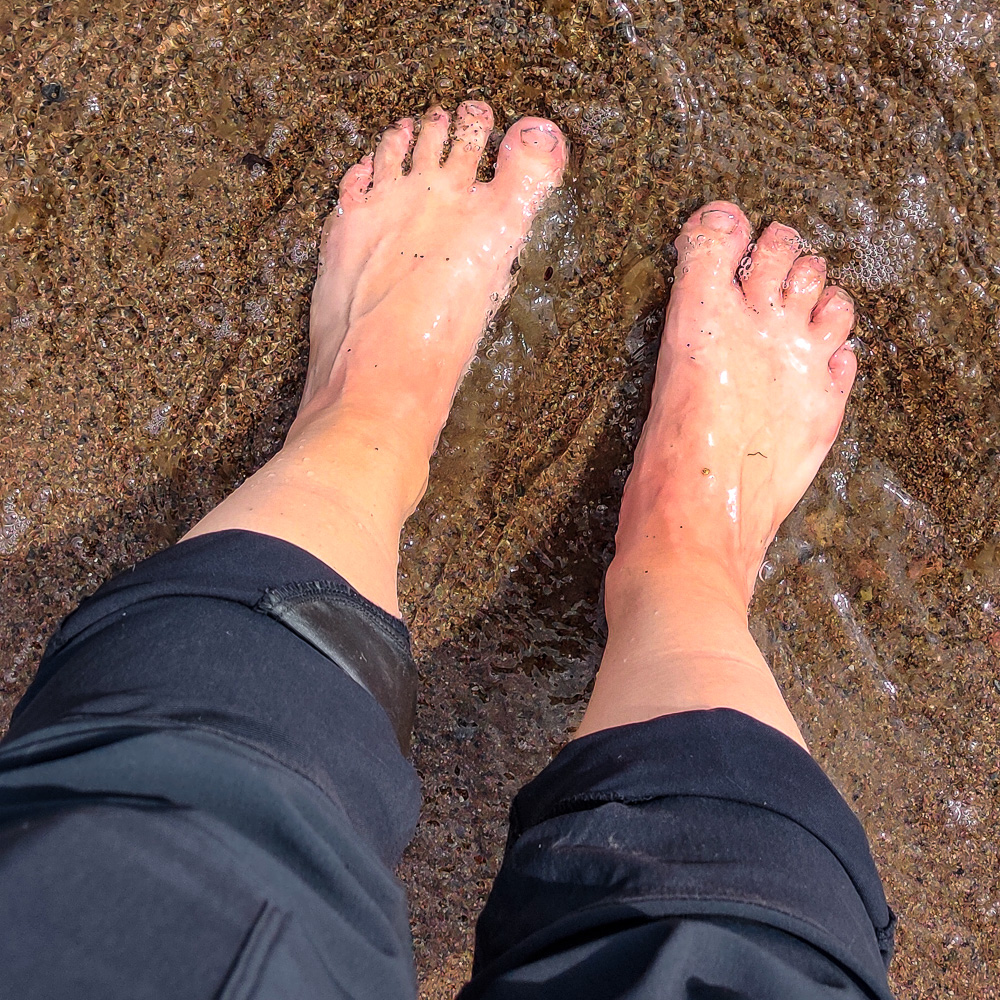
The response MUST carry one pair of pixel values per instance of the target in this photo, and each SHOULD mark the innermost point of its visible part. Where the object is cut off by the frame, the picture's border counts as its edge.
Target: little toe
(355, 183)
(711, 245)
(392, 150)
(430, 143)
(530, 163)
(843, 369)
(765, 279)
(833, 318)
(805, 283)
(474, 123)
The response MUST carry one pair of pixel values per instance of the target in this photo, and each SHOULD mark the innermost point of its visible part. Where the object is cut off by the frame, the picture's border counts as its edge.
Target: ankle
(388, 412)
(674, 615)
(668, 578)
(669, 533)
(368, 457)
(679, 641)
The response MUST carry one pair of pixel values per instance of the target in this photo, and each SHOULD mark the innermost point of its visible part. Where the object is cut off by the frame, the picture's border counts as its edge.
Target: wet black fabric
(697, 852)
(197, 802)
(200, 796)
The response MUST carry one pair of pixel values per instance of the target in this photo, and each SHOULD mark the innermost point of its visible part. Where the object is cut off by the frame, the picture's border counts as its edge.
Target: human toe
(473, 125)
(805, 283)
(531, 161)
(392, 150)
(429, 149)
(833, 318)
(355, 183)
(711, 244)
(765, 280)
(843, 368)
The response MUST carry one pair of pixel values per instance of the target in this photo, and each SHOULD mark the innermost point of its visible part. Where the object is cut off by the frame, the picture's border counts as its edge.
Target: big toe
(531, 162)
(711, 245)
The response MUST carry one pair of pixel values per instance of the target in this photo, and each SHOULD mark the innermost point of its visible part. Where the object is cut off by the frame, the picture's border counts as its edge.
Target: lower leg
(411, 268)
(751, 385)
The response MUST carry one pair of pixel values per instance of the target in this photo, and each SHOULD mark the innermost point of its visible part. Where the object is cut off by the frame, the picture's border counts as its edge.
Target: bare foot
(413, 265)
(751, 384)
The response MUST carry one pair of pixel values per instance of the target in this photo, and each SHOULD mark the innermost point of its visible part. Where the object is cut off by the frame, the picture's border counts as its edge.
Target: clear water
(159, 206)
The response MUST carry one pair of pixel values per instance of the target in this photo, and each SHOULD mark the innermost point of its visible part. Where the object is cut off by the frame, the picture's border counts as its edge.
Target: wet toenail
(721, 222)
(785, 234)
(843, 296)
(812, 267)
(541, 137)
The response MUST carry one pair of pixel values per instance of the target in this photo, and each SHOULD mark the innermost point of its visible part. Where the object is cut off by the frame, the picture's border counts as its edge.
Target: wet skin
(752, 381)
(412, 266)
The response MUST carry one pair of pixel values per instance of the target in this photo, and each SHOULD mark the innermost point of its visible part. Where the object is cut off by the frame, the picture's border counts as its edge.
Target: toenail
(721, 222)
(785, 233)
(541, 137)
(843, 296)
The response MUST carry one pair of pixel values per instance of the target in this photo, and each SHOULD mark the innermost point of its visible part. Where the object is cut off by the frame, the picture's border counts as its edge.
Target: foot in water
(413, 263)
(753, 375)
(752, 379)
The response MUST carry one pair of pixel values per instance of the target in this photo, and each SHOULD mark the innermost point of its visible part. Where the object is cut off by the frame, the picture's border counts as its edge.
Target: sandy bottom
(166, 168)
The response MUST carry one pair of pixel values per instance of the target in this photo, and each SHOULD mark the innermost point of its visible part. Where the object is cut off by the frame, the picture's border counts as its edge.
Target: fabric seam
(393, 629)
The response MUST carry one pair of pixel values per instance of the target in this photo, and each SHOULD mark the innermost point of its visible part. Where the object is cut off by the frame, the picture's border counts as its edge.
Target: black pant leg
(200, 794)
(697, 855)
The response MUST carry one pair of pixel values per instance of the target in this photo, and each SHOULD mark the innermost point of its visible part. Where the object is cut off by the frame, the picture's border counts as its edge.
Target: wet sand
(166, 169)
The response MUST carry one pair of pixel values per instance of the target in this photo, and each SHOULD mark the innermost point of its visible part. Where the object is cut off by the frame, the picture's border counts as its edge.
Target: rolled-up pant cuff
(689, 818)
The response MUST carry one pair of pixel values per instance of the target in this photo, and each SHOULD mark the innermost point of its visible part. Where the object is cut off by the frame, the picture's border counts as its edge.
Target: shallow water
(165, 170)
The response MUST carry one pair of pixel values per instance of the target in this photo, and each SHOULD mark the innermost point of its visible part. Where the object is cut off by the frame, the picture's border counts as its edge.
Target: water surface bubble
(158, 419)
(13, 524)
